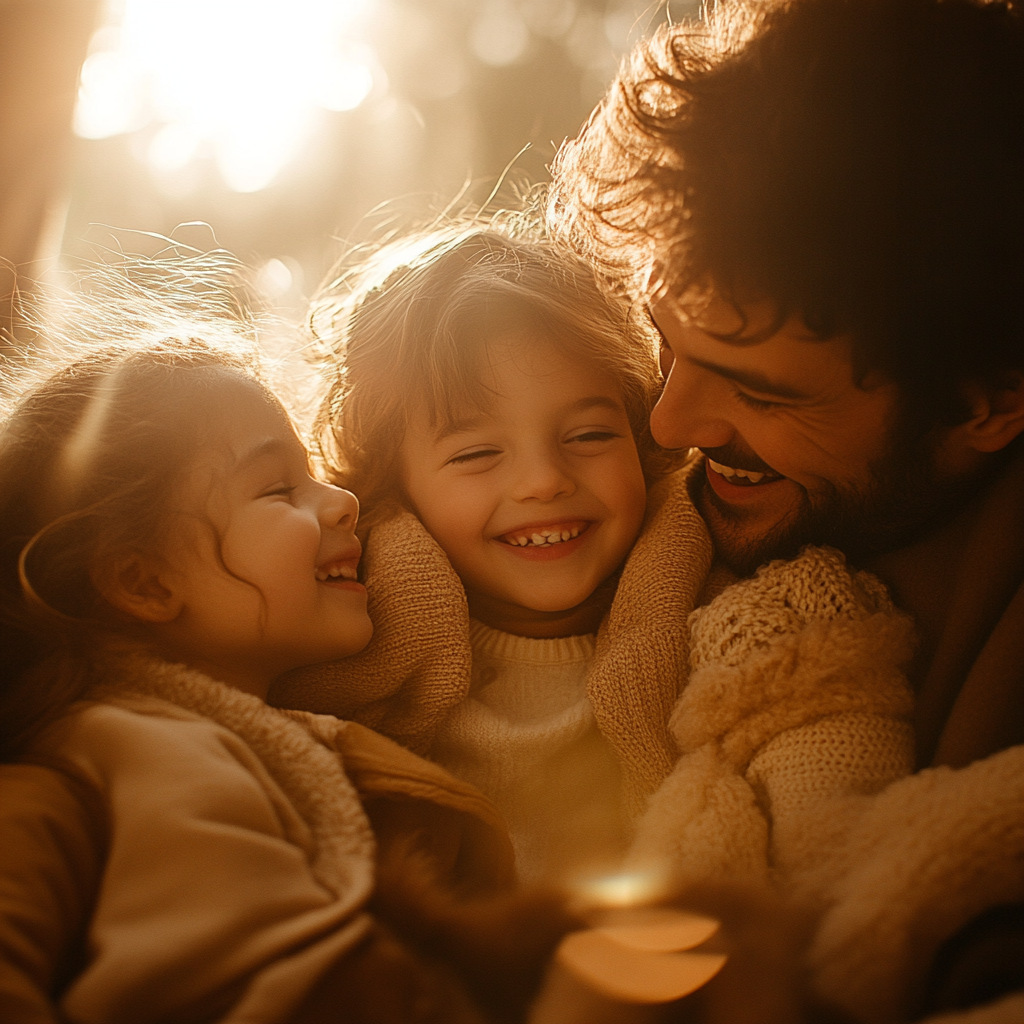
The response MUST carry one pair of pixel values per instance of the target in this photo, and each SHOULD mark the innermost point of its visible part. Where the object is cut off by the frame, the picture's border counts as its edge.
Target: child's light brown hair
(405, 328)
(91, 459)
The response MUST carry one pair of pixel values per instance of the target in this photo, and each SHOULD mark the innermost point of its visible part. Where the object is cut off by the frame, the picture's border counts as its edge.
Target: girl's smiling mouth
(547, 535)
(548, 540)
(341, 573)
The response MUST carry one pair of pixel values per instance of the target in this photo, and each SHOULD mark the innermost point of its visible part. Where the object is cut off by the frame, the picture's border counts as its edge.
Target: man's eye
(474, 456)
(760, 404)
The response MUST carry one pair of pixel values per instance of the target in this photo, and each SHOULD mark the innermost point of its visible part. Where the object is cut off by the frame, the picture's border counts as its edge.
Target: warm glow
(238, 80)
(627, 889)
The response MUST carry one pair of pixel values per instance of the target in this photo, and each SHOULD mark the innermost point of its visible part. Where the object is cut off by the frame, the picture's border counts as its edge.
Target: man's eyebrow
(751, 379)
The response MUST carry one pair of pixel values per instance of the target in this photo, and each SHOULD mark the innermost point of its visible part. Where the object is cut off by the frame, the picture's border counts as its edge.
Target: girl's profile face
(537, 498)
(272, 585)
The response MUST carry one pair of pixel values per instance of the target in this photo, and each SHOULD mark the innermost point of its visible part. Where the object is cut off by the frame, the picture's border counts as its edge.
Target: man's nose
(687, 414)
(541, 476)
(337, 507)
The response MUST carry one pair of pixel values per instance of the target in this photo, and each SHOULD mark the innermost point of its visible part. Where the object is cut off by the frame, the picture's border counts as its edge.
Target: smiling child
(537, 496)
(490, 390)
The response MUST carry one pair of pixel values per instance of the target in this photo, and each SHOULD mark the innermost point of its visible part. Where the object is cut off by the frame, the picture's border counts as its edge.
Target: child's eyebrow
(596, 402)
(457, 427)
(260, 450)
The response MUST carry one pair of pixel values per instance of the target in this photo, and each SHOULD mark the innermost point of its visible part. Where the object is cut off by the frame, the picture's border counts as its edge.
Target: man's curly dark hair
(858, 162)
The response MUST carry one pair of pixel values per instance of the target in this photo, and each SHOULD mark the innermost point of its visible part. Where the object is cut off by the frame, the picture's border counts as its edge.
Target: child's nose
(543, 478)
(338, 507)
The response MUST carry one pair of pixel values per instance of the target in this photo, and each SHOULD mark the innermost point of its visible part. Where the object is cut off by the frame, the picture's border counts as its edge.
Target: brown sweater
(964, 584)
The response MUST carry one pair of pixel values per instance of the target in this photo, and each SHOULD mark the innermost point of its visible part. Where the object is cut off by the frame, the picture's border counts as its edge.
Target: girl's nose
(687, 415)
(542, 477)
(337, 507)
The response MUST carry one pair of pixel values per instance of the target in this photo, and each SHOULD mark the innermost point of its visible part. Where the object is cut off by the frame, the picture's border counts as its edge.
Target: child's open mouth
(545, 536)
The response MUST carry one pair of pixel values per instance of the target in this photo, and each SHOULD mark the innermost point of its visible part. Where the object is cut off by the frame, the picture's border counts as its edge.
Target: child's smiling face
(272, 586)
(538, 497)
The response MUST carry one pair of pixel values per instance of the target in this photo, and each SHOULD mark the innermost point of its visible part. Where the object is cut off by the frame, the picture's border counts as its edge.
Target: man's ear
(997, 413)
(136, 585)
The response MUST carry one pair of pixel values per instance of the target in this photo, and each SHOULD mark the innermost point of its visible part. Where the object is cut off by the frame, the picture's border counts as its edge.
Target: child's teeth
(544, 537)
(344, 571)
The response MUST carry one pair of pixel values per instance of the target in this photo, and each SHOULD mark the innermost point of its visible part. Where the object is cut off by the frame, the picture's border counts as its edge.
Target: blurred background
(280, 129)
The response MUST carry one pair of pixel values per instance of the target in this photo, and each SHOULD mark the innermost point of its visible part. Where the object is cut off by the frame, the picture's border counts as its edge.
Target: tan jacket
(176, 850)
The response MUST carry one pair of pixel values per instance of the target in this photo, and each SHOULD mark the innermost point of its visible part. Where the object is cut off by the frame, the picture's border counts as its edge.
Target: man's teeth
(545, 537)
(728, 472)
(334, 571)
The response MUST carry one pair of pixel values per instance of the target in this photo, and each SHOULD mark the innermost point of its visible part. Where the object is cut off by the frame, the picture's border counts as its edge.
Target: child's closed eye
(594, 436)
(278, 489)
(475, 455)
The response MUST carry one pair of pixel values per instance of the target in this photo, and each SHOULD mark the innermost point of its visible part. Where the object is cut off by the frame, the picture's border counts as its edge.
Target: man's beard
(905, 495)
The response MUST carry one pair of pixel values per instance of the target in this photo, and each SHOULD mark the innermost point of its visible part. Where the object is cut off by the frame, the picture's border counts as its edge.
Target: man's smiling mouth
(743, 477)
(545, 536)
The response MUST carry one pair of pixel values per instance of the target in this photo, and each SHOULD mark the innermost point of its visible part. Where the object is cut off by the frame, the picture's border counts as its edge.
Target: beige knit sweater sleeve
(922, 859)
(796, 701)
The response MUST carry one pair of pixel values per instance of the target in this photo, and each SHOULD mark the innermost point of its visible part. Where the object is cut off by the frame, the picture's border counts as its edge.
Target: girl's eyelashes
(595, 435)
(280, 488)
(472, 456)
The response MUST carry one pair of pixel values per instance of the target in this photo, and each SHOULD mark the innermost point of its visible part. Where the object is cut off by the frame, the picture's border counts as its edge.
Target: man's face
(798, 451)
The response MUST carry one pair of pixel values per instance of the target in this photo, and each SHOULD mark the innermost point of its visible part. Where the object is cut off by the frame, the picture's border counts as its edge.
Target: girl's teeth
(344, 571)
(544, 538)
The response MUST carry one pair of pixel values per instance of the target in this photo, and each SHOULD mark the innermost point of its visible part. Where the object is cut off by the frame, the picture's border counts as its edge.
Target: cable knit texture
(922, 860)
(417, 667)
(796, 697)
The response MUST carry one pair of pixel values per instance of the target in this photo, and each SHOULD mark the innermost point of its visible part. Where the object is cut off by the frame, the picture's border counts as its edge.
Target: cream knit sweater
(920, 861)
(527, 738)
(795, 701)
